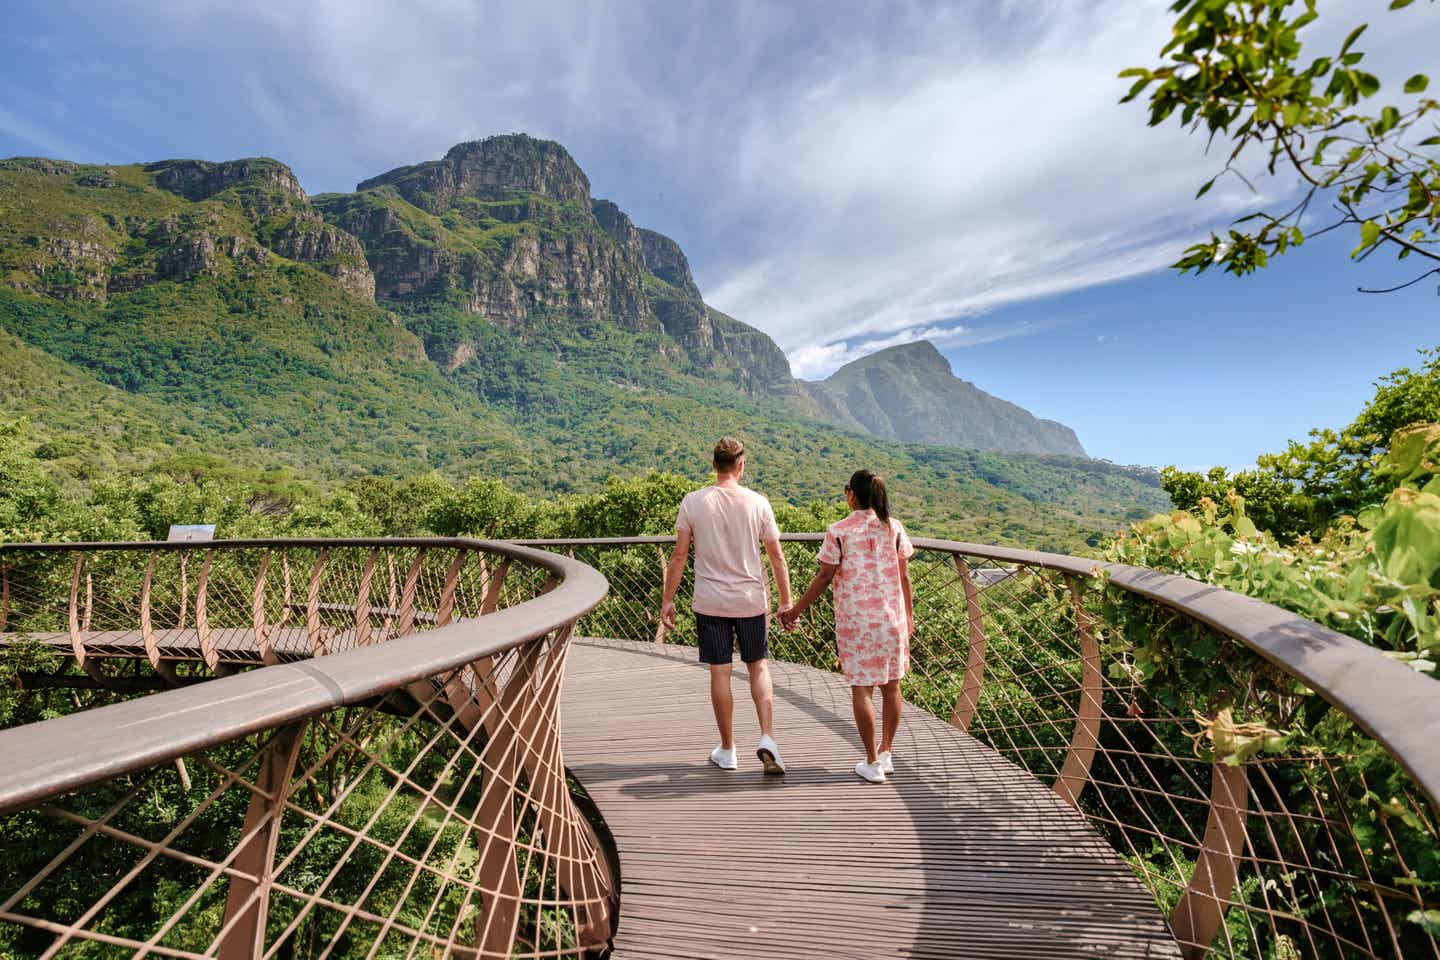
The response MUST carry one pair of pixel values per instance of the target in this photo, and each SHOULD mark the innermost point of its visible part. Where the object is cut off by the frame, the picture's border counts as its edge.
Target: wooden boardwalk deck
(961, 854)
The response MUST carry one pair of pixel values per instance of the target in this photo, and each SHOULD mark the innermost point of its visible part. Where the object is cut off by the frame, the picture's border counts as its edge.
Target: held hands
(788, 616)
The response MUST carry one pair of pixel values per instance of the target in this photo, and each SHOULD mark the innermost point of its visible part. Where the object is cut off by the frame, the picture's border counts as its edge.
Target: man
(725, 521)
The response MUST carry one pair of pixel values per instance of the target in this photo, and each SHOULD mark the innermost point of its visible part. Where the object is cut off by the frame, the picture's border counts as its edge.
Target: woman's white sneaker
(887, 763)
(724, 759)
(870, 771)
(769, 753)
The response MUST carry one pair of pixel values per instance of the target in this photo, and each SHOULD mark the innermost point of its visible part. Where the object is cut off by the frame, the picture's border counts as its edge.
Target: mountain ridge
(909, 392)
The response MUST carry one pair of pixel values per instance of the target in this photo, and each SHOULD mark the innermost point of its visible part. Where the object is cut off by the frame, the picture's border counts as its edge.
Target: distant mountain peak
(916, 353)
(495, 168)
(909, 392)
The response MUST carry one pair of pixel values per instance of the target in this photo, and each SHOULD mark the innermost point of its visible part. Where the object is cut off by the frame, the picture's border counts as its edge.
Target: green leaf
(1354, 35)
(1369, 232)
(1429, 920)
(1206, 188)
(1134, 91)
(1400, 4)
(1417, 83)
(1430, 142)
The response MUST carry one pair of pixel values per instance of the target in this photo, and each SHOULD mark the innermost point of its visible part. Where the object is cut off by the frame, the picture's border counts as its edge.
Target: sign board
(191, 532)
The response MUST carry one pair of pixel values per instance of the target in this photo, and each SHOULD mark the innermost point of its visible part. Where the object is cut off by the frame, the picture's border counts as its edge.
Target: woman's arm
(817, 588)
(905, 589)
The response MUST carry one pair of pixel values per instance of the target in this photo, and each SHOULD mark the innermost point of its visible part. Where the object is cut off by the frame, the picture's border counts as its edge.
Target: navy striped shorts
(718, 636)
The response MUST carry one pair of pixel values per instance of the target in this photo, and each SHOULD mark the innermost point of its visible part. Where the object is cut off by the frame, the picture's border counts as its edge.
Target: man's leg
(753, 635)
(890, 718)
(763, 695)
(717, 651)
(865, 719)
(723, 702)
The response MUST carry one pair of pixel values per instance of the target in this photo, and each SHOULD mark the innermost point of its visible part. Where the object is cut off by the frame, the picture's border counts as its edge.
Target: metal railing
(343, 748)
(389, 781)
(1273, 783)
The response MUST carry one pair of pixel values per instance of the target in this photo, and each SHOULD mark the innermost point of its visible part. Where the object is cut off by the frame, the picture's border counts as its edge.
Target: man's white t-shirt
(727, 525)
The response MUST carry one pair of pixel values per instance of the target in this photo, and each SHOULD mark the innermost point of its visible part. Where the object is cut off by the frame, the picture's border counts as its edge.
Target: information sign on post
(191, 532)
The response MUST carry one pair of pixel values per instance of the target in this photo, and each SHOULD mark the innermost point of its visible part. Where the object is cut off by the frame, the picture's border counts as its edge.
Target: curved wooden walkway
(961, 854)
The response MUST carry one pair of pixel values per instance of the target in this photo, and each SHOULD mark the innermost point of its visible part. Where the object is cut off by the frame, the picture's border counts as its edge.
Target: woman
(867, 555)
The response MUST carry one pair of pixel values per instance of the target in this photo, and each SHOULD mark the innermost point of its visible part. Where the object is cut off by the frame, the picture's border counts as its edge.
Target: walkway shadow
(984, 861)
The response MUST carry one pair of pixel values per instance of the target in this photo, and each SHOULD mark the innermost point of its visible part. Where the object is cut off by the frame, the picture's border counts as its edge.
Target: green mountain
(909, 393)
(480, 314)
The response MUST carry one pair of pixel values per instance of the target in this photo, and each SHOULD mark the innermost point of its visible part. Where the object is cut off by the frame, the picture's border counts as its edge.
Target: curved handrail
(69, 752)
(97, 744)
(447, 729)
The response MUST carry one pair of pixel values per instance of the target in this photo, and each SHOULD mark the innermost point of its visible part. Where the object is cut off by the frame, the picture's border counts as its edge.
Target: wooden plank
(960, 854)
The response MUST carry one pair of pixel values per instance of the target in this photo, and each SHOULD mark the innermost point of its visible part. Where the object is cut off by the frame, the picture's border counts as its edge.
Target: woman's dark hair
(869, 491)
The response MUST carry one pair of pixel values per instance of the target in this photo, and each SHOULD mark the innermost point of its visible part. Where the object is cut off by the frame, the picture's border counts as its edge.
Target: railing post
(247, 904)
(362, 600)
(1201, 910)
(147, 628)
(664, 563)
(257, 614)
(77, 636)
(4, 596)
(312, 605)
(446, 608)
(499, 879)
(202, 614)
(407, 595)
(497, 582)
(969, 700)
(1083, 742)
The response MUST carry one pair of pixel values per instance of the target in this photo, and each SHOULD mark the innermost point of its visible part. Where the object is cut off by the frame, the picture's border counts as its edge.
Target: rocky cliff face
(502, 228)
(909, 393)
(89, 240)
(270, 195)
(496, 168)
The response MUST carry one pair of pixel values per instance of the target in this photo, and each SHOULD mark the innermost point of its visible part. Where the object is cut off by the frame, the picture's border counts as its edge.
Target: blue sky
(841, 175)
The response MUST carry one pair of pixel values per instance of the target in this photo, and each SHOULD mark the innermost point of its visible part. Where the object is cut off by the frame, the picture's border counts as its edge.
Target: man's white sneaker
(870, 771)
(724, 759)
(769, 753)
(887, 764)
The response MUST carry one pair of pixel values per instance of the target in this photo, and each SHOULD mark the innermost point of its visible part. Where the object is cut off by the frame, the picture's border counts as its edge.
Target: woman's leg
(865, 719)
(890, 716)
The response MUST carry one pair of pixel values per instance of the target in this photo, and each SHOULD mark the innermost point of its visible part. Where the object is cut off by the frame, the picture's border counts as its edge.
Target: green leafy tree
(484, 507)
(1307, 487)
(1234, 70)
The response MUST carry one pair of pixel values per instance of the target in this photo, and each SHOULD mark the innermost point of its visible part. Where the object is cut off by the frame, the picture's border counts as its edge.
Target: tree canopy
(1234, 70)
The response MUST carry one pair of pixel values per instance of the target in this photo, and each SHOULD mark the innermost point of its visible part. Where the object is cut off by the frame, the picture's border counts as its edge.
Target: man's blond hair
(728, 452)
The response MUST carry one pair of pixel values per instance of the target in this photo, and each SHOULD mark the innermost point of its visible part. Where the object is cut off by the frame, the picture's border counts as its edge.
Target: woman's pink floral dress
(871, 630)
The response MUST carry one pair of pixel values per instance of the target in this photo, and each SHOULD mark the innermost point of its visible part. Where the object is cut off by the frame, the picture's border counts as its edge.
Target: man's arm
(780, 570)
(674, 570)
